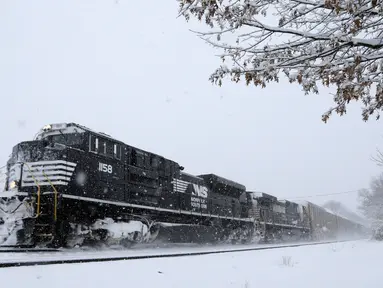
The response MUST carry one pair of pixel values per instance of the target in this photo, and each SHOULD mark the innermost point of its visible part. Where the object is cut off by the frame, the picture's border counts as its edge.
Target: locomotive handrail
(55, 198)
(38, 190)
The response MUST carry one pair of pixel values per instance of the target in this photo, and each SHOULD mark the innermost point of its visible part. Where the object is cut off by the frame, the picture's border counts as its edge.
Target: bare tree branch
(332, 42)
(378, 158)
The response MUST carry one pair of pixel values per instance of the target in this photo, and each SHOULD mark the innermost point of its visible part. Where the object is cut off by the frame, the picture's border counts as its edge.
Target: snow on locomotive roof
(264, 195)
(257, 194)
(67, 128)
(58, 128)
(288, 202)
(190, 175)
(212, 178)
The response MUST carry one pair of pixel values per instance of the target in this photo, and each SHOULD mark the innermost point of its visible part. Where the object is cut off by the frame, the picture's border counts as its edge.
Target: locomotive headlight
(47, 128)
(13, 185)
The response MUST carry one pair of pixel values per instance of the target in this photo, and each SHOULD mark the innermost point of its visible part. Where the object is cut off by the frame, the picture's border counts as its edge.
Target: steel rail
(141, 257)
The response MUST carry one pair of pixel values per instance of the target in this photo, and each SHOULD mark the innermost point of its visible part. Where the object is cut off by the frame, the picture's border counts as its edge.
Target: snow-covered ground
(348, 264)
(78, 254)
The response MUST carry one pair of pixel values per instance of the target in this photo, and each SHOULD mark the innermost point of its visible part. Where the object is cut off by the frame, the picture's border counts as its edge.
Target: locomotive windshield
(74, 139)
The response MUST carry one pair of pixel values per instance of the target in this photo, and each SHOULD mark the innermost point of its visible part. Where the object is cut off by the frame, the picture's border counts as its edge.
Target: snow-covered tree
(332, 42)
(371, 204)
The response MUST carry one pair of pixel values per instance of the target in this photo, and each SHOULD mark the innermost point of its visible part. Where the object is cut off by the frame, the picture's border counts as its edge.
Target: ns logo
(200, 191)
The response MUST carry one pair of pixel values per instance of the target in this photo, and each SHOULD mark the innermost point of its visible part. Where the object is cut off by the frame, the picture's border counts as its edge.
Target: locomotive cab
(62, 134)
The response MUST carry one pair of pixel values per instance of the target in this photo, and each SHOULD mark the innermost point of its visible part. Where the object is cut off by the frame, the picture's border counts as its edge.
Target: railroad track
(71, 259)
(31, 248)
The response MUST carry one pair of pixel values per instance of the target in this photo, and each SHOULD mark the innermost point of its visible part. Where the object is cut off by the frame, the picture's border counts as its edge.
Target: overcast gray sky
(136, 72)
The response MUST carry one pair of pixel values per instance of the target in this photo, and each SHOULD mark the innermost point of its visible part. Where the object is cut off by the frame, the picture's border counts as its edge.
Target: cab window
(74, 139)
(104, 147)
(117, 151)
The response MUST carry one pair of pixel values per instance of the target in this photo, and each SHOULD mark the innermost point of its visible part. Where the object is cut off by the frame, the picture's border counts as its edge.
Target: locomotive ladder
(44, 224)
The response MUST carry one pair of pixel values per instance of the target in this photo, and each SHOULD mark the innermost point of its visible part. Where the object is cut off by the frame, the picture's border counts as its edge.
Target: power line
(328, 194)
(318, 195)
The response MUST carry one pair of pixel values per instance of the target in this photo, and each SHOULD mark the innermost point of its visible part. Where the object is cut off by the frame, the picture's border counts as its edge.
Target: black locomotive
(72, 185)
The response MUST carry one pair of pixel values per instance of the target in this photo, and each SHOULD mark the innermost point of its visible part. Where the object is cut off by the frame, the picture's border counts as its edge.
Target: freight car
(72, 185)
(325, 224)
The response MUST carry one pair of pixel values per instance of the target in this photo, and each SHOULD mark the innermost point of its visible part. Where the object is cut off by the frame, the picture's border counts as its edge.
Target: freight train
(74, 186)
